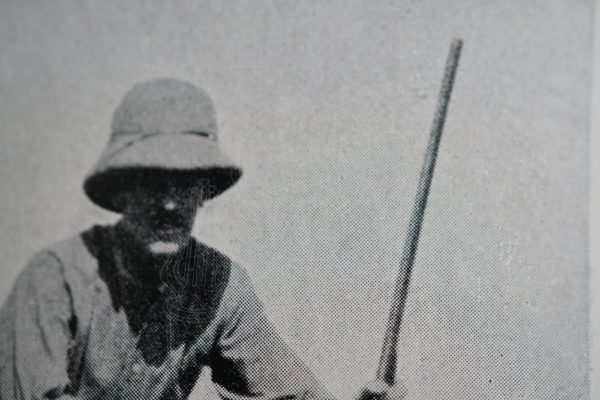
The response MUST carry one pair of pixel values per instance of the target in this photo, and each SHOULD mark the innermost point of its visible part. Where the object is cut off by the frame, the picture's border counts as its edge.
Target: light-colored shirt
(87, 320)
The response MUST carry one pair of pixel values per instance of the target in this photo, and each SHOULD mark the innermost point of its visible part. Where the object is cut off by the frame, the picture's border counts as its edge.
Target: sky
(327, 106)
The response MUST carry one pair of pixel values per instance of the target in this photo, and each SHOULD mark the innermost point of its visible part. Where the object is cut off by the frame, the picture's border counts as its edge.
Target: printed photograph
(310, 200)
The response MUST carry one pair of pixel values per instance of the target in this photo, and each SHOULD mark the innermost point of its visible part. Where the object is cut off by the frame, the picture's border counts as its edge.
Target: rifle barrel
(386, 370)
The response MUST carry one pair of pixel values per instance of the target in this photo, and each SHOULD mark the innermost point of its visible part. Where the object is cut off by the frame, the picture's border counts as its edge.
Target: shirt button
(136, 368)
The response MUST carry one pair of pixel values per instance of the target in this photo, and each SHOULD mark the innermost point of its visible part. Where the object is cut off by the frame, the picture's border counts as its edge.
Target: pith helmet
(162, 127)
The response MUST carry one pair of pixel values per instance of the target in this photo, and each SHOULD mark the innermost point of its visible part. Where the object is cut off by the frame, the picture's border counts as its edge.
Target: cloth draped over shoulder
(85, 322)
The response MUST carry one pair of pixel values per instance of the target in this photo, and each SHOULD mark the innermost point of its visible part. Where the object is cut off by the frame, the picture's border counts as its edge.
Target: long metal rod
(386, 370)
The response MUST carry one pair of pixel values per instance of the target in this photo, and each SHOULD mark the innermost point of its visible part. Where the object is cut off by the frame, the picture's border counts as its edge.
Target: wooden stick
(386, 370)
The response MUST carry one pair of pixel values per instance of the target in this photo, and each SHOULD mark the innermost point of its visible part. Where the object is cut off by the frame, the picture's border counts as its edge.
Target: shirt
(86, 320)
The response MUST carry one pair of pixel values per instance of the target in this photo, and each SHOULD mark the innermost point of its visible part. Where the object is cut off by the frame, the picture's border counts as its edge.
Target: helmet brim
(179, 158)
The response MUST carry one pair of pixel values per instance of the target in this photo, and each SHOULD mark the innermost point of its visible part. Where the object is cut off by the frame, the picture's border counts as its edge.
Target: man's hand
(379, 390)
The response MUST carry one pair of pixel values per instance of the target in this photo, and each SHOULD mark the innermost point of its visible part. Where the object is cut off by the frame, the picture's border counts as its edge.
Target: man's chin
(163, 248)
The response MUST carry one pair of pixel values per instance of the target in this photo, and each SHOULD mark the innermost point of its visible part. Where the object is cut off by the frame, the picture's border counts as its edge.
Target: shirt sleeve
(35, 333)
(252, 360)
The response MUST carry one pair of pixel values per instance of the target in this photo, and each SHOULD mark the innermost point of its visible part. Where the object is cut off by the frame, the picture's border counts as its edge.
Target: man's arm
(251, 359)
(35, 333)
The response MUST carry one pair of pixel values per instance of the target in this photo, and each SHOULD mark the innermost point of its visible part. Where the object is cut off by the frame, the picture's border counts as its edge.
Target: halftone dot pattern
(327, 106)
(352, 242)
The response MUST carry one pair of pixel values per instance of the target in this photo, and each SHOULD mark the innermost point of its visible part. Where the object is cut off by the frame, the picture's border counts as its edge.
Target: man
(136, 310)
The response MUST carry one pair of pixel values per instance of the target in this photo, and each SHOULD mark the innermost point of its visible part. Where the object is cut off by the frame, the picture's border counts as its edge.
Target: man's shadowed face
(160, 215)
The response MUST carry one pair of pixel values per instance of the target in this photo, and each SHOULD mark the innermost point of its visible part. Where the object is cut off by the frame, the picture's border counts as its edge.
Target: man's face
(161, 216)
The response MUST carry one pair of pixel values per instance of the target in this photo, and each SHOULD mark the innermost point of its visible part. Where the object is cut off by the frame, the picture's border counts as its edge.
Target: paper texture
(327, 106)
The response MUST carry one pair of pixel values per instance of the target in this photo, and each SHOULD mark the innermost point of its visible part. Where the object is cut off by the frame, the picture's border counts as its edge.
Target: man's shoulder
(67, 260)
(76, 253)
